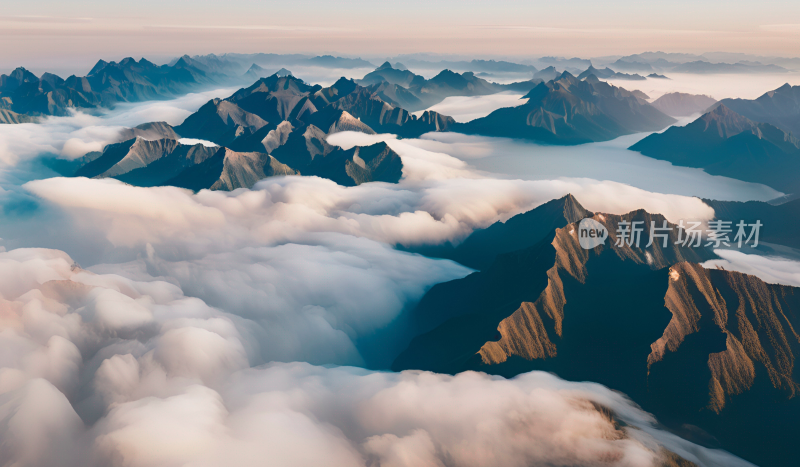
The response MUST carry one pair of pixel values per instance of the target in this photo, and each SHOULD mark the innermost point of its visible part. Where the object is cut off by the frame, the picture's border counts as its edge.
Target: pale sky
(63, 34)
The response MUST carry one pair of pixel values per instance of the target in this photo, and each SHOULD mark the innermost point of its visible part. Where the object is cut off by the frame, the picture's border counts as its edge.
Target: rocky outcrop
(245, 169)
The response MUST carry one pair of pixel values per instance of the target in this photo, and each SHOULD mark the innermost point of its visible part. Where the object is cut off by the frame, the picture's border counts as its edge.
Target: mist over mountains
(323, 267)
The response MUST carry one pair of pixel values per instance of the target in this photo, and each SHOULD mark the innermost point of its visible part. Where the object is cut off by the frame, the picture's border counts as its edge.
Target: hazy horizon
(50, 33)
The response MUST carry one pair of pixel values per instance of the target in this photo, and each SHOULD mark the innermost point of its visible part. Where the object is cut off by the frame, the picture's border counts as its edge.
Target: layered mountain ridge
(711, 348)
(572, 111)
(106, 84)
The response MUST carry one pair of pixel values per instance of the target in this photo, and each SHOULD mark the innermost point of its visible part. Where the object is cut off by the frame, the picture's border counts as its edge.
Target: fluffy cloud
(770, 269)
(83, 385)
(75, 135)
(466, 108)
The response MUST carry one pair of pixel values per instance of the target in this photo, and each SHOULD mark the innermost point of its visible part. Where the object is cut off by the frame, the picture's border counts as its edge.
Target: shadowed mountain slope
(571, 111)
(700, 348)
(723, 142)
(780, 107)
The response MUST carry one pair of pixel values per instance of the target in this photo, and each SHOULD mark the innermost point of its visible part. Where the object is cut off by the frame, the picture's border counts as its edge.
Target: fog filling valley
(160, 327)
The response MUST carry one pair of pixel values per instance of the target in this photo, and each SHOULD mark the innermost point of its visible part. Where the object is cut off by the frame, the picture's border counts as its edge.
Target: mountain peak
(22, 74)
(573, 210)
(98, 66)
(386, 66)
(727, 122)
(254, 68)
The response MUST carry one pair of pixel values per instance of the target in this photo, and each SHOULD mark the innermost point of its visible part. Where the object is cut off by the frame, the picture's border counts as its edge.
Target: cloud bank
(103, 370)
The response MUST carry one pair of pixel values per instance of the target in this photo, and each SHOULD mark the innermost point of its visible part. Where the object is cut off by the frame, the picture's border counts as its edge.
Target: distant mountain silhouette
(107, 84)
(780, 107)
(678, 104)
(723, 142)
(703, 67)
(608, 73)
(413, 92)
(571, 111)
(548, 74)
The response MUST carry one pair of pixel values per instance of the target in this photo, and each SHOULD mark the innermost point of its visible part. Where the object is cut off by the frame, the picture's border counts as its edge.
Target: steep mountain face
(107, 84)
(143, 162)
(723, 142)
(229, 170)
(310, 154)
(679, 104)
(220, 121)
(7, 116)
(272, 98)
(375, 163)
(301, 148)
(700, 348)
(571, 111)
(780, 107)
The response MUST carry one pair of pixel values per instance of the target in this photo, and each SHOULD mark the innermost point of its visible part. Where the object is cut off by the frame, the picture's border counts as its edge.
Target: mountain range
(779, 107)
(608, 73)
(237, 64)
(722, 142)
(571, 111)
(108, 83)
(413, 92)
(277, 126)
(709, 352)
(710, 63)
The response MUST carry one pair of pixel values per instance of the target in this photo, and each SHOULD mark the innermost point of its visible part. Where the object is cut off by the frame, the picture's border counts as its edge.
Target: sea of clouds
(160, 327)
(99, 369)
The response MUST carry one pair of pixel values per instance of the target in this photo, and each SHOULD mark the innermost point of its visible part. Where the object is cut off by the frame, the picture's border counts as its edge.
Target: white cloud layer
(160, 354)
(770, 269)
(103, 370)
(466, 108)
(73, 136)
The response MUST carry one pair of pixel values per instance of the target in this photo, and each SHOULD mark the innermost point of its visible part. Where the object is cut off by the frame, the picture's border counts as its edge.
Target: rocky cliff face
(700, 348)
